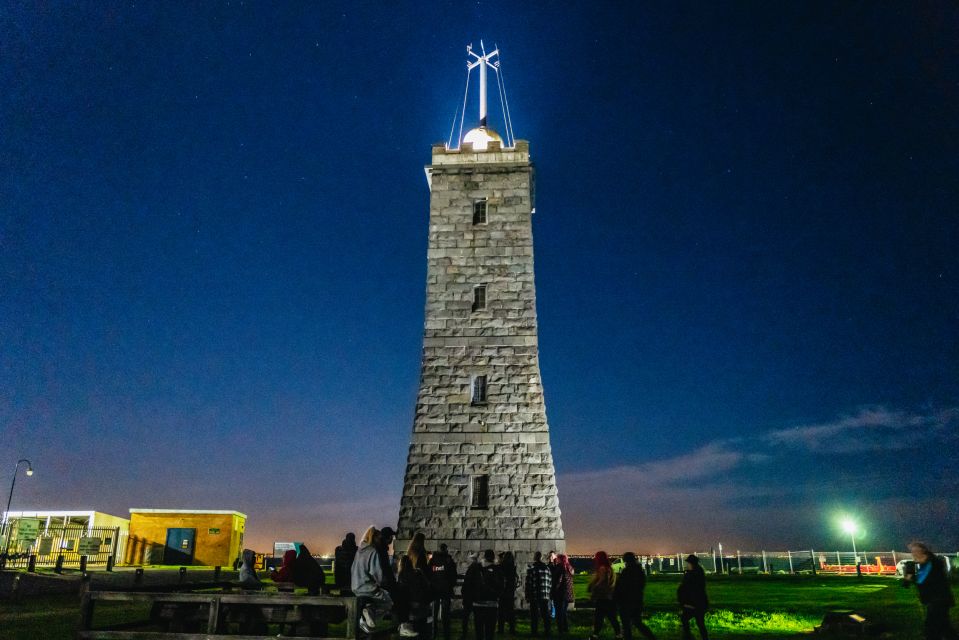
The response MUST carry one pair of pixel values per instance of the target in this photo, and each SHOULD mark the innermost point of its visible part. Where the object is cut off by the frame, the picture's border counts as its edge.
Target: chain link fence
(806, 561)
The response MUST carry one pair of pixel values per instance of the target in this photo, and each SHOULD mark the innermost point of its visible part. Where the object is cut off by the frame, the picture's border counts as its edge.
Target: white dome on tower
(480, 137)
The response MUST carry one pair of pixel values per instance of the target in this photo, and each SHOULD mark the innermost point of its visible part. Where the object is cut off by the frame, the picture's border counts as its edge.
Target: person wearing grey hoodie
(248, 577)
(370, 581)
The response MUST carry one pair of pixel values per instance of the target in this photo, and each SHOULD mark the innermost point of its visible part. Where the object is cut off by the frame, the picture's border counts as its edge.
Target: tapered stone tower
(480, 470)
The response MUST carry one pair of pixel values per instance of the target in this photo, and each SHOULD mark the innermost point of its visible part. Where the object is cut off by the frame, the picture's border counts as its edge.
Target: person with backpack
(538, 588)
(601, 594)
(507, 599)
(484, 585)
(628, 593)
(442, 573)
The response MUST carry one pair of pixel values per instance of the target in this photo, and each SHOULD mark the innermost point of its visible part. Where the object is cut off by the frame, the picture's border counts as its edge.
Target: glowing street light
(850, 527)
(6, 514)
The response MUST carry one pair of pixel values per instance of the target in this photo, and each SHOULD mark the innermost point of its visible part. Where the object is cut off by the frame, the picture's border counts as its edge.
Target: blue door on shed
(179, 546)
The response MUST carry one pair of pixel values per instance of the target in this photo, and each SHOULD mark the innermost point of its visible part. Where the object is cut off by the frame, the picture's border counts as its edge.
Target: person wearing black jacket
(692, 598)
(415, 586)
(484, 586)
(507, 598)
(469, 579)
(934, 591)
(442, 573)
(343, 562)
(628, 594)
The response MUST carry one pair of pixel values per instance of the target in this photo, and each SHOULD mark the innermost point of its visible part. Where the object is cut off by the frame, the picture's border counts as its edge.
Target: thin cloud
(870, 429)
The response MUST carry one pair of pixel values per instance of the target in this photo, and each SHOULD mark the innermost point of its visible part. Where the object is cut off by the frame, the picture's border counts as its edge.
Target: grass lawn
(765, 607)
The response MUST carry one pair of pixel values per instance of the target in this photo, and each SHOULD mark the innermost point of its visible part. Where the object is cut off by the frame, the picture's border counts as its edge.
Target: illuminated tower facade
(480, 469)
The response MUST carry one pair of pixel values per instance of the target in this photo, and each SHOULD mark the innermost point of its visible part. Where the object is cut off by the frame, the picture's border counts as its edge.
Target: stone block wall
(506, 438)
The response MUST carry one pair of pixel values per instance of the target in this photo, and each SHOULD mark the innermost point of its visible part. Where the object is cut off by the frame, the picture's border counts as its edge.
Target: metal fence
(811, 561)
(26, 546)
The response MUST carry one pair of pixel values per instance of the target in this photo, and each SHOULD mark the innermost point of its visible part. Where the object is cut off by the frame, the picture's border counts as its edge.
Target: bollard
(83, 565)
(182, 573)
(110, 563)
(812, 556)
(32, 566)
(739, 561)
(138, 576)
(216, 573)
(58, 568)
(790, 554)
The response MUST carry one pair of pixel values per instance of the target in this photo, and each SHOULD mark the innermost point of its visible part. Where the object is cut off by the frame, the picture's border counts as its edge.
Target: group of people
(424, 583)
(299, 568)
(423, 586)
(623, 596)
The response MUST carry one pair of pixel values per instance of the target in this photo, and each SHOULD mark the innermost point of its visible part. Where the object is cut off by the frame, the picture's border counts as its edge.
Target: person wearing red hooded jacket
(285, 572)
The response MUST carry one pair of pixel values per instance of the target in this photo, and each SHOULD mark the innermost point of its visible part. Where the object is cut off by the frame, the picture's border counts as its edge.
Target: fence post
(212, 618)
(114, 549)
(86, 605)
(83, 565)
(765, 564)
(839, 561)
(812, 555)
(15, 589)
(894, 563)
(789, 554)
(32, 566)
(59, 566)
(739, 561)
(714, 562)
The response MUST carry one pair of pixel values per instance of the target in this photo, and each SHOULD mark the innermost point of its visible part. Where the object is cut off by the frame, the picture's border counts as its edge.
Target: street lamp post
(850, 527)
(6, 514)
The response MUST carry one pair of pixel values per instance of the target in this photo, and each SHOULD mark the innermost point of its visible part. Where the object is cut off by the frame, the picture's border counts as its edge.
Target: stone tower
(480, 470)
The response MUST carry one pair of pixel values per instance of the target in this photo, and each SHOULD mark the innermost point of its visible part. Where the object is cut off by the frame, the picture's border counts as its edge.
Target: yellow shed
(185, 537)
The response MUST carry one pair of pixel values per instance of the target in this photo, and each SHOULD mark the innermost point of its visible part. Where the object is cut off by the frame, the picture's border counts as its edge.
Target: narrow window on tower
(478, 395)
(479, 493)
(479, 297)
(479, 211)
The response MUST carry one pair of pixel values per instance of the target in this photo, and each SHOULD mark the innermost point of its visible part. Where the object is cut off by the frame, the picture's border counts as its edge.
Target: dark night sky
(213, 225)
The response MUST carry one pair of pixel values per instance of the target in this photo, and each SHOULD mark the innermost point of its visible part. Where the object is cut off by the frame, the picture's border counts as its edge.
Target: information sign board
(89, 546)
(46, 546)
(27, 529)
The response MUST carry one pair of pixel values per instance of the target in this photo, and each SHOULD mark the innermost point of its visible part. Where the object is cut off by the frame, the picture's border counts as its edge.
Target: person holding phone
(932, 582)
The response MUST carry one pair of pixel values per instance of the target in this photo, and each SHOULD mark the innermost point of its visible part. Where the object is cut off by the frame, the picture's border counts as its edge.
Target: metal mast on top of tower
(484, 62)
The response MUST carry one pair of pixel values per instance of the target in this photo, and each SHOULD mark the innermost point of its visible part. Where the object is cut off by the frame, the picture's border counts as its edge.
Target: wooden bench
(214, 612)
